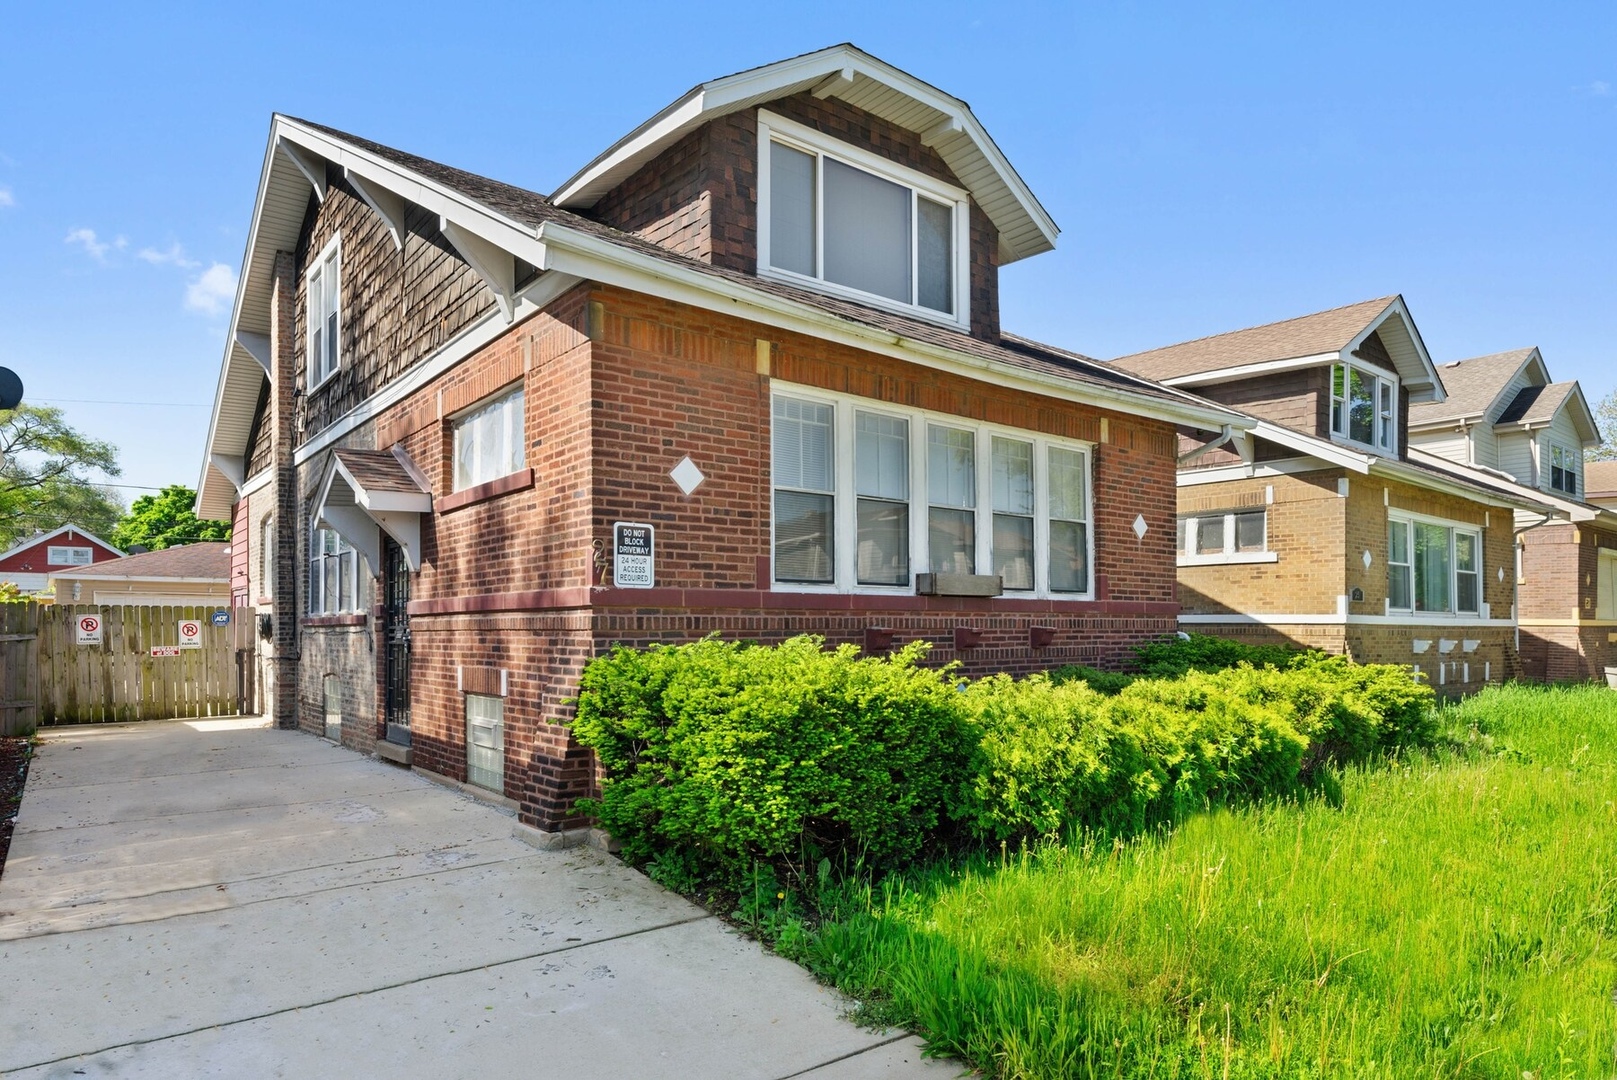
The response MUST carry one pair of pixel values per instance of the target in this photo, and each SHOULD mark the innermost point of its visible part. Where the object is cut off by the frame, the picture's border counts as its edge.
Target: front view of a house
(742, 374)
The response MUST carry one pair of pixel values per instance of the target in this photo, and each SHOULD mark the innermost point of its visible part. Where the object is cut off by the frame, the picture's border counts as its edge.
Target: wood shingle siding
(398, 307)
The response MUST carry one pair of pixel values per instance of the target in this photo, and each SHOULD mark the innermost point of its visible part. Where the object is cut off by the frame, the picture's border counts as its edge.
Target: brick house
(1319, 526)
(1505, 419)
(30, 563)
(762, 329)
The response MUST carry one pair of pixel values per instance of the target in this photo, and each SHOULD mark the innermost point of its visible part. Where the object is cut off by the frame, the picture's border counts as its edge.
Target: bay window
(488, 441)
(1433, 567)
(849, 221)
(1364, 407)
(848, 483)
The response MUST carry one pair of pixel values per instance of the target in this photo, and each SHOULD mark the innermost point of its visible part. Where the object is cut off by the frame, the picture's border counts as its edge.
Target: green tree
(167, 519)
(1606, 417)
(45, 476)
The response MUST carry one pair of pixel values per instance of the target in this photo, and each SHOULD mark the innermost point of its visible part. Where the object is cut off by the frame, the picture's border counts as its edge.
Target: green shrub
(1175, 656)
(1048, 757)
(732, 754)
(1104, 682)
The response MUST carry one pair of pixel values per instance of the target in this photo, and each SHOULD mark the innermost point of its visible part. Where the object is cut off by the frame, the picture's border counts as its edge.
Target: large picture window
(323, 304)
(488, 441)
(849, 481)
(1433, 567)
(849, 220)
(1364, 407)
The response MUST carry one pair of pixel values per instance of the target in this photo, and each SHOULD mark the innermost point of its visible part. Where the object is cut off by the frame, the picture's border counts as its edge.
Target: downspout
(1516, 576)
(1227, 434)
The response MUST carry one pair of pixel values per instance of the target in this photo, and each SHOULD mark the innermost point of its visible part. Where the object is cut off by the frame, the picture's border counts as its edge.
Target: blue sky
(1210, 168)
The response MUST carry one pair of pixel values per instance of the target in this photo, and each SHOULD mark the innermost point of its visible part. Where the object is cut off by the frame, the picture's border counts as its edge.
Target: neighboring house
(192, 574)
(1505, 417)
(1319, 527)
(764, 323)
(30, 563)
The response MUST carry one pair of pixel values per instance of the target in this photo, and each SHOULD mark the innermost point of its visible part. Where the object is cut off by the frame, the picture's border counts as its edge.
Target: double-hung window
(1564, 470)
(1364, 407)
(866, 496)
(1225, 536)
(333, 574)
(488, 441)
(1433, 567)
(1606, 584)
(323, 303)
(266, 556)
(848, 221)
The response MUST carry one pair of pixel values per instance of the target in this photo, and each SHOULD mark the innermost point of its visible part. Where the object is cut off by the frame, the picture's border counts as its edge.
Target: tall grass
(1453, 916)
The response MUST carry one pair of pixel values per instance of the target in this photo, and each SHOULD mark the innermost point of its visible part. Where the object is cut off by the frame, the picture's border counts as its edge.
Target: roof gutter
(1225, 436)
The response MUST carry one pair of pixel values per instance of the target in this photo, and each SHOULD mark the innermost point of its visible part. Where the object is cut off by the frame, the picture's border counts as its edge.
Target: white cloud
(212, 292)
(6, 198)
(174, 256)
(1600, 88)
(92, 248)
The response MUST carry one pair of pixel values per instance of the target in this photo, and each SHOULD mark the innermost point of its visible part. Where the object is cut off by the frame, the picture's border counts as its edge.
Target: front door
(396, 642)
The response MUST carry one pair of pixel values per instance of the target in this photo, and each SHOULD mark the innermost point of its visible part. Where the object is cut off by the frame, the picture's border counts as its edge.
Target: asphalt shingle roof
(377, 470)
(1536, 404)
(1306, 335)
(1599, 478)
(1471, 386)
(533, 209)
(206, 560)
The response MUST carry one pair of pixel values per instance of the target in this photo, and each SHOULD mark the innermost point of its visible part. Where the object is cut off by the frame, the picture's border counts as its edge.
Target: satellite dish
(10, 389)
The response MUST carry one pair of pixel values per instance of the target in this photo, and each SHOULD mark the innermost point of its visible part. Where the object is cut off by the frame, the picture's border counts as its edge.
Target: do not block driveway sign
(634, 557)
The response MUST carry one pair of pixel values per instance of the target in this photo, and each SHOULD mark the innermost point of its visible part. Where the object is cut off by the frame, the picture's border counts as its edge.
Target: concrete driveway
(215, 898)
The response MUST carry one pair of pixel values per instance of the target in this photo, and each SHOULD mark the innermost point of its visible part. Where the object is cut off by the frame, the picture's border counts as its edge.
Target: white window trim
(520, 386)
(1566, 456)
(333, 247)
(845, 524)
(344, 551)
(67, 558)
(1606, 564)
(806, 139)
(1376, 376)
(1455, 528)
(1229, 556)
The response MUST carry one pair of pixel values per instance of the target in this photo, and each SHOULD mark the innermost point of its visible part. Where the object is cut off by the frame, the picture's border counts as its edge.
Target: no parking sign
(190, 634)
(87, 630)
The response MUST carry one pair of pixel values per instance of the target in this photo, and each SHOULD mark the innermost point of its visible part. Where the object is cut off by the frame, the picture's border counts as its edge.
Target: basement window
(488, 441)
(846, 221)
(485, 741)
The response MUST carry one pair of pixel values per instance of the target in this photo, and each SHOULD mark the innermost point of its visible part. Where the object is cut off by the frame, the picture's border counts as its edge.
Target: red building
(31, 562)
(763, 327)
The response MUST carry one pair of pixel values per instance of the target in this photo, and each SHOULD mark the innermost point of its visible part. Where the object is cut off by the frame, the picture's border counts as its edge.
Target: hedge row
(718, 755)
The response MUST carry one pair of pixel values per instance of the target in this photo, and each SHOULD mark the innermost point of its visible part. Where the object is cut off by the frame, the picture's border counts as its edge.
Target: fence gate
(19, 668)
(152, 662)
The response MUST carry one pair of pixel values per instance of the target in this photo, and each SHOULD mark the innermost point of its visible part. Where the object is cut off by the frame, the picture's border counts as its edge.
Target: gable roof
(1536, 404)
(852, 75)
(40, 538)
(504, 221)
(208, 561)
(1472, 386)
(1305, 340)
(1600, 479)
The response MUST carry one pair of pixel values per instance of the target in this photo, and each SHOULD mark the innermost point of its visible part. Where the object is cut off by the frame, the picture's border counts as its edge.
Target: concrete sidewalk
(214, 898)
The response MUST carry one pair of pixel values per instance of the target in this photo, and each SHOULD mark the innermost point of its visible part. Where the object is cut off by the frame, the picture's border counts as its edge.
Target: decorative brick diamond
(1140, 526)
(687, 475)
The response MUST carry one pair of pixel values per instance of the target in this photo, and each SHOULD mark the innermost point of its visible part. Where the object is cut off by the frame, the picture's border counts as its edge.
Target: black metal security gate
(396, 642)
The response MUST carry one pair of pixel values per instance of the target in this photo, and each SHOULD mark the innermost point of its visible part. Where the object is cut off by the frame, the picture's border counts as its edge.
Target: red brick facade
(1563, 636)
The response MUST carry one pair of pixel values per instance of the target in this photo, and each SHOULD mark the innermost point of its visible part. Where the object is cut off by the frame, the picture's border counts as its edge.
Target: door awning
(367, 490)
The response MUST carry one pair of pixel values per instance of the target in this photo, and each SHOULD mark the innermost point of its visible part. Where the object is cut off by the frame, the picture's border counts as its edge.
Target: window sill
(355, 619)
(875, 300)
(493, 489)
(1228, 560)
(332, 374)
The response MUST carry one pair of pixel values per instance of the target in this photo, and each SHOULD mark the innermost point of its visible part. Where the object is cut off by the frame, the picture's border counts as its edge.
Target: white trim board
(1424, 620)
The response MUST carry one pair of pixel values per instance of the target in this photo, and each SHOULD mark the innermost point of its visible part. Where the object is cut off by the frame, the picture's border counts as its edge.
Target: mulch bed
(14, 757)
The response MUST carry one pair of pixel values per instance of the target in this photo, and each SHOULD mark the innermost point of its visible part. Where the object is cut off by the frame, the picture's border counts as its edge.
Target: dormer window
(1364, 407)
(845, 221)
(1563, 470)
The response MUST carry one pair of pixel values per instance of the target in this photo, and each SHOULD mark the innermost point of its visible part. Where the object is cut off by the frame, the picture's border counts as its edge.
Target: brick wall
(1563, 638)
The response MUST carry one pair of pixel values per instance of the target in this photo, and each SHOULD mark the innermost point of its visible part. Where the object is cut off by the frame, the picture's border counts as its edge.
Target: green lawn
(1449, 916)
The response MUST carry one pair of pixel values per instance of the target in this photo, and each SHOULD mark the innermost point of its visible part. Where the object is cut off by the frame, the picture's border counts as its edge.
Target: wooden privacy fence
(139, 670)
